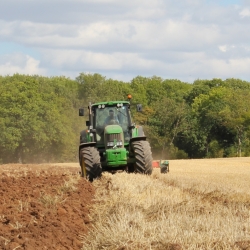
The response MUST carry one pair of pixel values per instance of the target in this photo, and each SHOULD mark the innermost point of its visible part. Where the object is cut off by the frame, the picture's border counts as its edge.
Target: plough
(162, 164)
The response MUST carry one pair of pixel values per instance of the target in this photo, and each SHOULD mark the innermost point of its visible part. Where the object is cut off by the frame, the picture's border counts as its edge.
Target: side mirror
(139, 107)
(87, 123)
(131, 127)
(81, 112)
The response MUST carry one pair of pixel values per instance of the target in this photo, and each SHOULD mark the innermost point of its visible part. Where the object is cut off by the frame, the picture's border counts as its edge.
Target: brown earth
(40, 208)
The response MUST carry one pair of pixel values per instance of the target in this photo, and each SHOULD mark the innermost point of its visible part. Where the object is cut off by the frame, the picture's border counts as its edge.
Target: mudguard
(138, 134)
(83, 136)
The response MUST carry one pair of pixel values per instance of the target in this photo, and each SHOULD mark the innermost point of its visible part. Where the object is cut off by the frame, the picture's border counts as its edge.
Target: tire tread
(143, 157)
(92, 161)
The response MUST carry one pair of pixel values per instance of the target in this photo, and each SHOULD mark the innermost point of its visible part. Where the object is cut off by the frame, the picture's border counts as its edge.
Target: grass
(69, 185)
(23, 206)
(51, 201)
(6, 241)
(199, 204)
(17, 225)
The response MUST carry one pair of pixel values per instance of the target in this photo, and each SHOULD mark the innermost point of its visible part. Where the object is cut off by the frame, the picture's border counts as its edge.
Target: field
(199, 204)
(43, 207)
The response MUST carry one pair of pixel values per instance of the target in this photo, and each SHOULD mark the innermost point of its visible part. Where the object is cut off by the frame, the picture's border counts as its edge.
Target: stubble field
(199, 204)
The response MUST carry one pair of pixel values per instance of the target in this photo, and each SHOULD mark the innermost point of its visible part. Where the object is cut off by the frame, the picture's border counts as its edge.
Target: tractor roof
(110, 103)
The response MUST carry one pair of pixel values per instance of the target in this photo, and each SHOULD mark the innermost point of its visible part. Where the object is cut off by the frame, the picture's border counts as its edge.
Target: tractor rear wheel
(90, 163)
(143, 157)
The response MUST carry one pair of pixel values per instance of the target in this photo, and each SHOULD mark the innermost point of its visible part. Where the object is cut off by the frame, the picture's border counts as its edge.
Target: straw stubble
(199, 204)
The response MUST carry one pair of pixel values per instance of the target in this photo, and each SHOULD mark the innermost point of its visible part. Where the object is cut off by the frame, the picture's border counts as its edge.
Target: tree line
(39, 115)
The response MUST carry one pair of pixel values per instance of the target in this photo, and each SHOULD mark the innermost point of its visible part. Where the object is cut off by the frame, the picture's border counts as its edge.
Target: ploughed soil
(43, 206)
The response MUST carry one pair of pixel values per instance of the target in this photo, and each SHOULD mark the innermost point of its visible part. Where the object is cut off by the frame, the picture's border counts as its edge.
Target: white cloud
(19, 63)
(188, 67)
(228, 69)
(245, 13)
(73, 59)
(223, 48)
(122, 35)
(191, 39)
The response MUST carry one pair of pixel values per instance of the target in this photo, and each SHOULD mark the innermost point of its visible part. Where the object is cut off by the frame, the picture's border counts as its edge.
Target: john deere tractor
(112, 141)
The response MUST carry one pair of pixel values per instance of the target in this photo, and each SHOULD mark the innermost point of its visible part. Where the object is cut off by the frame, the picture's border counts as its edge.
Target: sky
(185, 39)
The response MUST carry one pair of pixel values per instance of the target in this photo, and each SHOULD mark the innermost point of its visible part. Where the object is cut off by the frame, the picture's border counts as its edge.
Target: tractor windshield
(110, 115)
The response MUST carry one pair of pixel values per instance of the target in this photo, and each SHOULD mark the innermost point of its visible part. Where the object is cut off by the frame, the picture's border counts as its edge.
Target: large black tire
(143, 157)
(90, 163)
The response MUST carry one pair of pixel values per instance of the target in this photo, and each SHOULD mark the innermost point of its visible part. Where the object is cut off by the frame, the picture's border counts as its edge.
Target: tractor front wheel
(143, 157)
(90, 163)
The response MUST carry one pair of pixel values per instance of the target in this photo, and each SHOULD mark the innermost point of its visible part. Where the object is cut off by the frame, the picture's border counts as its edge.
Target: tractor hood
(113, 137)
(113, 129)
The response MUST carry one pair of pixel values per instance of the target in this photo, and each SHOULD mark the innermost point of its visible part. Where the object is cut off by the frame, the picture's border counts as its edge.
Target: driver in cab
(111, 119)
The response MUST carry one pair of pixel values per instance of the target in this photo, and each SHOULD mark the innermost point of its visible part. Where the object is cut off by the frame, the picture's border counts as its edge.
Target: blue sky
(226, 2)
(185, 40)
(10, 47)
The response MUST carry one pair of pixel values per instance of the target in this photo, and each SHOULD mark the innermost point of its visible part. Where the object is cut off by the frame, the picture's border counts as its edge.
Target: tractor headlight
(110, 144)
(114, 144)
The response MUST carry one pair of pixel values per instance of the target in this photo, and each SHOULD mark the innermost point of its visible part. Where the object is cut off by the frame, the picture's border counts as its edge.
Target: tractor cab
(112, 119)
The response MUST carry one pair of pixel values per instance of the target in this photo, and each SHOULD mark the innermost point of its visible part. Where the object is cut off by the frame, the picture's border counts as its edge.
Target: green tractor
(112, 141)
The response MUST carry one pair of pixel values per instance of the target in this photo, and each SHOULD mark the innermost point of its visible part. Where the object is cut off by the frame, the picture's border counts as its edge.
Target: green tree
(236, 114)
(37, 116)
(166, 122)
(223, 108)
(89, 84)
